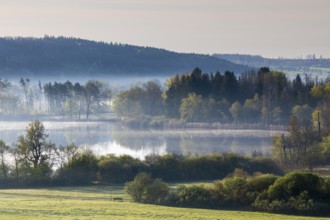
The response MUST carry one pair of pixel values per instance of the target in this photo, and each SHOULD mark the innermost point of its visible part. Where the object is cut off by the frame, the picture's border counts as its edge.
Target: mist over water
(110, 138)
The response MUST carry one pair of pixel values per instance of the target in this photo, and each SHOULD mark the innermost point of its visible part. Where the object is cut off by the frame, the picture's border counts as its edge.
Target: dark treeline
(34, 161)
(294, 193)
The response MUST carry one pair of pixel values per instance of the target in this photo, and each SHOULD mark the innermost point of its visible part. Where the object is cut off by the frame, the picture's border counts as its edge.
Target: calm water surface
(105, 137)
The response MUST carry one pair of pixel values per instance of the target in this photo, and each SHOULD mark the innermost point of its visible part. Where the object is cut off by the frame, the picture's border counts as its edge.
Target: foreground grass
(96, 203)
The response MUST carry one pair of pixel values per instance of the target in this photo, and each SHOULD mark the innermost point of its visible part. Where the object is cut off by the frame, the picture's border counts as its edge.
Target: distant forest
(310, 65)
(54, 56)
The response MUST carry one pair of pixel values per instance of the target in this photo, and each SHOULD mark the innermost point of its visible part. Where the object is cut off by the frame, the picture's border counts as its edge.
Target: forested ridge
(55, 56)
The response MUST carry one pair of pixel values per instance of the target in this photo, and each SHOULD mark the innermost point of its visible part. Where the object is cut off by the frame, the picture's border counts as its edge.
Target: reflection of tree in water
(138, 139)
(205, 144)
(70, 136)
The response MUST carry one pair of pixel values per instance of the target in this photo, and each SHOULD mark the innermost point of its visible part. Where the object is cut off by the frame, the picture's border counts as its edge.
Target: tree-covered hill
(53, 56)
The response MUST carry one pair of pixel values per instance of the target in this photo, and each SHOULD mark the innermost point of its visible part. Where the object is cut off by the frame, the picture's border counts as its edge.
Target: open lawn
(96, 202)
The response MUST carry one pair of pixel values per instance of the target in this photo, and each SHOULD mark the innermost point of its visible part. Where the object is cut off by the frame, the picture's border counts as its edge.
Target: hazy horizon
(271, 29)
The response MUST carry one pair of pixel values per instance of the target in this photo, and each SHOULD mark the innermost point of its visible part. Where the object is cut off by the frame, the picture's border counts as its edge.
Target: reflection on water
(104, 138)
(112, 147)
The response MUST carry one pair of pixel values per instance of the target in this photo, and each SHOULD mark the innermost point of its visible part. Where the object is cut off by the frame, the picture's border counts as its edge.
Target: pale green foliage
(252, 108)
(302, 112)
(276, 114)
(235, 110)
(139, 100)
(193, 108)
(129, 103)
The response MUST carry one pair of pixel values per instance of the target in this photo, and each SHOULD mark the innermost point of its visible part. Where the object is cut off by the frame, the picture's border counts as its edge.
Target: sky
(271, 28)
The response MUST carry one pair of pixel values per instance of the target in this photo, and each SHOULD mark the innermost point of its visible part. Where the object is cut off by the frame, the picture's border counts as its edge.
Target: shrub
(296, 192)
(80, 170)
(147, 190)
(119, 169)
(257, 185)
(293, 184)
(232, 190)
(195, 196)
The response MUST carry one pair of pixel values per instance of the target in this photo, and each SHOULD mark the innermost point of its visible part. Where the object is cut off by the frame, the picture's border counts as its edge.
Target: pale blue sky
(273, 28)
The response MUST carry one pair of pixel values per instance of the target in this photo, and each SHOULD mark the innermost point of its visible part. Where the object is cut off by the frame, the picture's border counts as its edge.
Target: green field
(96, 203)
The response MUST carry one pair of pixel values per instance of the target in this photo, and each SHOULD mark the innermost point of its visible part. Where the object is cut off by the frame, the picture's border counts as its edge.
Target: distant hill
(314, 66)
(26, 57)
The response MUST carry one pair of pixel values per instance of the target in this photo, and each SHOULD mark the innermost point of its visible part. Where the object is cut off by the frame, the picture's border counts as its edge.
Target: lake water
(106, 137)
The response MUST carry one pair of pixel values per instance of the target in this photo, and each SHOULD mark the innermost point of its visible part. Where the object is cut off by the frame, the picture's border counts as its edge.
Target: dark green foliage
(147, 190)
(118, 169)
(296, 183)
(80, 170)
(297, 192)
(195, 196)
(215, 166)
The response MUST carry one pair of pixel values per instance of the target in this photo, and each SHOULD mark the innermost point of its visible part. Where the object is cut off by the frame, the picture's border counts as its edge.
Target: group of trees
(145, 99)
(307, 142)
(296, 192)
(262, 96)
(69, 99)
(62, 99)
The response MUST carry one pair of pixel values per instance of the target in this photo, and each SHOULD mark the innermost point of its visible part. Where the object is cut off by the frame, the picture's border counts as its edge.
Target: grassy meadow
(96, 202)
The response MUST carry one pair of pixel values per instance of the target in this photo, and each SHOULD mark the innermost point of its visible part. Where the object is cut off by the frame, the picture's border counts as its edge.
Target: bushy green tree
(145, 189)
(82, 169)
(36, 154)
(296, 192)
(139, 100)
